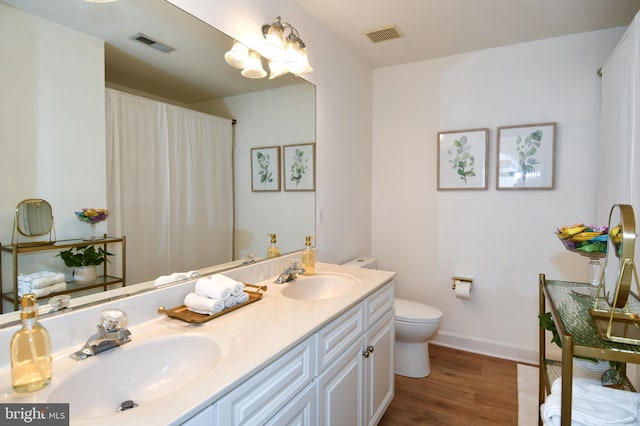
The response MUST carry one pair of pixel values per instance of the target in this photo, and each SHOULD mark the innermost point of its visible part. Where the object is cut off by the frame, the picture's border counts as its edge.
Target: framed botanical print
(526, 156)
(265, 169)
(300, 167)
(462, 159)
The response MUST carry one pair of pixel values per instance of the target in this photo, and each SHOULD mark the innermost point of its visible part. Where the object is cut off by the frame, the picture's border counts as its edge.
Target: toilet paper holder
(455, 279)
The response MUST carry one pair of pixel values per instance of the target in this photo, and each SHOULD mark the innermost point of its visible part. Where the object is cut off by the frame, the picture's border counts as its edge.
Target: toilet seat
(408, 311)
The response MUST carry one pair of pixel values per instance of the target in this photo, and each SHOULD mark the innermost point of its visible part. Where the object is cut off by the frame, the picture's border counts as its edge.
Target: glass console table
(579, 337)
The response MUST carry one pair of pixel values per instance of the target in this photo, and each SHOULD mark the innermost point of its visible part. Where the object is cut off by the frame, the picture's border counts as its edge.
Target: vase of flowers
(84, 260)
(589, 241)
(92, 216)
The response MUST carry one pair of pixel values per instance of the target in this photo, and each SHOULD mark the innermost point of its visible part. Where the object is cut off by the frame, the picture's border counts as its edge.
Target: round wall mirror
(618, 267)
(34, 217)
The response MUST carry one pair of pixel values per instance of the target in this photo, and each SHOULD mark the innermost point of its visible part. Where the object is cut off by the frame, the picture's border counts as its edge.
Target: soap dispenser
(30, 350)
(308, 258)
(273, 250)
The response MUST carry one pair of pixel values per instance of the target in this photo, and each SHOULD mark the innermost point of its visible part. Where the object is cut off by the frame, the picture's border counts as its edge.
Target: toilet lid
(407, 310)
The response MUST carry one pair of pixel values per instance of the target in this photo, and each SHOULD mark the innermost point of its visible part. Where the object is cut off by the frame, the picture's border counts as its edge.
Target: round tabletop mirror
(34, 217)
(618, 267)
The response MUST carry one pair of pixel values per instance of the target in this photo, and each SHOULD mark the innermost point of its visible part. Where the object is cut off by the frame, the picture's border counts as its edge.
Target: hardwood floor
(463, 389)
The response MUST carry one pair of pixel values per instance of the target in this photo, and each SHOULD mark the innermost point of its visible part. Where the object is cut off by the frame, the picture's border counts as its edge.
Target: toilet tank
(363, 262)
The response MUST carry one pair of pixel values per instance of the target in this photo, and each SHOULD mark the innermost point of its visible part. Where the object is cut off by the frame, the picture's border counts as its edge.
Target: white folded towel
(202, 304)
(592, 405)
(242, 298)
(42, 279)
(41, 292)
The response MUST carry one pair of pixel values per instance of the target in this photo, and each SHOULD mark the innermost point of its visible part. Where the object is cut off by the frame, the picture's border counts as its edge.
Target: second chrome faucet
(111, 333)
(290, 273)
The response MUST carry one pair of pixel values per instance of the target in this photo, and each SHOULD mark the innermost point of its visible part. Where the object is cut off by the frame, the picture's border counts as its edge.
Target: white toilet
(415, 324)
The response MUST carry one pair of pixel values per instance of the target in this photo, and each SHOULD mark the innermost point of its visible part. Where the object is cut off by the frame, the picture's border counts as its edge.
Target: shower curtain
(169, 186)
(620, 156)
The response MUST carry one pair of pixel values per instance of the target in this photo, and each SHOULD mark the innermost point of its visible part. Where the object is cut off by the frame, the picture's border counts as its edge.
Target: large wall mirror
(106, 46)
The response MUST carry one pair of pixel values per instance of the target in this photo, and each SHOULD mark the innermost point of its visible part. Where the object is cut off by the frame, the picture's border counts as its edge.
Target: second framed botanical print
(462, 159)
(526, 156)
(299, 167)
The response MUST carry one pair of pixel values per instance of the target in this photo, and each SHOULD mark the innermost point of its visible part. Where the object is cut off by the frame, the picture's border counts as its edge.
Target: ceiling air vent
(389, 32)
(145, 39)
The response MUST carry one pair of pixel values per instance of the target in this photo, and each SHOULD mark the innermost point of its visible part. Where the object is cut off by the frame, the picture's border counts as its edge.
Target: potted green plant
(613, 373)
(84, 260)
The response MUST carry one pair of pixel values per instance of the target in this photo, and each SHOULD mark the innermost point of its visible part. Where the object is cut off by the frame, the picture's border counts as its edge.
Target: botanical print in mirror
(526, 156)
(462, 159)
(300, 167)
(265, 169)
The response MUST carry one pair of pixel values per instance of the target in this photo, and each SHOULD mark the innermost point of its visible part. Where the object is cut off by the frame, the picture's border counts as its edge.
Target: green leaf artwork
(527, 149)
(463, 161)
(265, 175)
(298, 167)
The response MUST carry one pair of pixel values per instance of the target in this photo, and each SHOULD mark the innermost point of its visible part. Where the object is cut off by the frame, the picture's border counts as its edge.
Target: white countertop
(250, 337)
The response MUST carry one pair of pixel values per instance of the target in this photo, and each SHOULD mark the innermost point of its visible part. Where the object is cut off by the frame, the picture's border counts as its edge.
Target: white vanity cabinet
(355, 382)
(340, 375)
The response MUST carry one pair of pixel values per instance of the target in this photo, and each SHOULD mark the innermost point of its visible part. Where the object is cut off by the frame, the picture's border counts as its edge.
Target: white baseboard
(487, 347)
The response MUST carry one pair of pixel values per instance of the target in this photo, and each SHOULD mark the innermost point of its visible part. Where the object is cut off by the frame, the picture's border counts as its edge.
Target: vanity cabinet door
(260, 397)
(340, 389)
(301, 411)
(203, 418)
(379, 376)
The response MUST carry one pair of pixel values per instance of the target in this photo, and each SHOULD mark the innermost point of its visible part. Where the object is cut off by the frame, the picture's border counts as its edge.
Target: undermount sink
(141, 373)
(320, 286)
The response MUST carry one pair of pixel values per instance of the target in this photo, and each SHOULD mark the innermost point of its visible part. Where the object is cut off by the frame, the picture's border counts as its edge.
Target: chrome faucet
(111, 333)
(290, 273)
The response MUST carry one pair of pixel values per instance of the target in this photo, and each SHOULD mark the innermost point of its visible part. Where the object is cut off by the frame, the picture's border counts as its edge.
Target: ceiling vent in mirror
(389, 32)
(145, 39)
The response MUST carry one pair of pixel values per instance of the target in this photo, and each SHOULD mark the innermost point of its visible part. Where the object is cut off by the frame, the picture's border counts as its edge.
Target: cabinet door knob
(365, 354)
(369, 348)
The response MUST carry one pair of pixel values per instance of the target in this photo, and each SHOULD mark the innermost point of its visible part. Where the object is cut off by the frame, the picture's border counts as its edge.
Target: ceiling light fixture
(285, 49)
(282, 47)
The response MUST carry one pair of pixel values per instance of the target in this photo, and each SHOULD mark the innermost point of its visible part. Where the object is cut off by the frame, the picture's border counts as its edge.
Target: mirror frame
(619, 263)
(22, 216)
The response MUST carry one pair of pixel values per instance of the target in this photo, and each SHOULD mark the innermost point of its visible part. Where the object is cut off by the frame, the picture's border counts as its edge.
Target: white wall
(343, 128)
(44, 141)
(503, 239)
(50, 62)
(266, 119)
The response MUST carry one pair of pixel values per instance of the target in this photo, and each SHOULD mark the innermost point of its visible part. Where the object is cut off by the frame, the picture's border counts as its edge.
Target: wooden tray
(184, 314)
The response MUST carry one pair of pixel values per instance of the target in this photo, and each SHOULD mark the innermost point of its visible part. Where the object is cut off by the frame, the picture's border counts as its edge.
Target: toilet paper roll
(463, 290)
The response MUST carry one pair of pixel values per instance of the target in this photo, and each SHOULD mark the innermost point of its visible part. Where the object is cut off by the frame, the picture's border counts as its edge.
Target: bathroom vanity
(313, 357)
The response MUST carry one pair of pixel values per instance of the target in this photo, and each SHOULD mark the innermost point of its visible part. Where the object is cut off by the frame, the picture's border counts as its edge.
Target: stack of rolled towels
(176, 276)
(214, 294)
(41, 283)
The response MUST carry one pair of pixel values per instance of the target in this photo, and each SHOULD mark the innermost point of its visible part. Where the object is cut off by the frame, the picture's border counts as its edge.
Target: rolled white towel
(216, 287)
(230, 301)
(192, 274)
(235, 286)
(242, 298)
(202, 304)
(162, 280)
(42, 279)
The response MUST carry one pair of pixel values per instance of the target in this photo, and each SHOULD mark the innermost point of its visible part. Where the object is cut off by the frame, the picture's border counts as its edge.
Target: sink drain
(126, 405)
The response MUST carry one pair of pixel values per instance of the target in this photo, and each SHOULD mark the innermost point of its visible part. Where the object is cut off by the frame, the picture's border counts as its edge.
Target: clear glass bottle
(30, 350)
(273, 250)
(308, 258)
